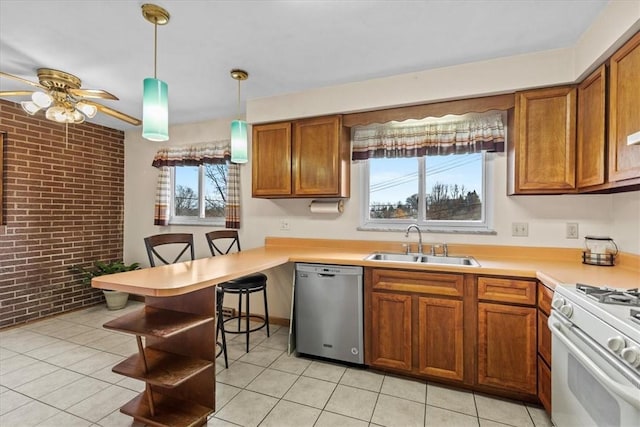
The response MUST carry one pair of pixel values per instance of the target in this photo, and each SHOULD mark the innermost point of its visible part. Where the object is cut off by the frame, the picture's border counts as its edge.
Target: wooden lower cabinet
(507, 347)
(391, 322)
(545, 296)
(440, 343)
(544, 384)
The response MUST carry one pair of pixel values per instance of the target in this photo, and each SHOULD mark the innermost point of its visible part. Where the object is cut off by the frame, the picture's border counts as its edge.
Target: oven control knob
(557, 303)
(631, 355)
(567, 310)
(616, 344)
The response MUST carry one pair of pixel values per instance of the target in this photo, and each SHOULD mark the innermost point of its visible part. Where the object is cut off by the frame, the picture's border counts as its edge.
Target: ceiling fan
(63, 99)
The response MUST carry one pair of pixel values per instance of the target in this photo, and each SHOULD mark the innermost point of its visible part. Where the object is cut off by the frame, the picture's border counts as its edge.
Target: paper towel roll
(322, 207)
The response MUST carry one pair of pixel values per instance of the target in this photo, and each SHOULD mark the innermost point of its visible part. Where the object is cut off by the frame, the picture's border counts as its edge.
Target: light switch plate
(520, 229)
(572, 230)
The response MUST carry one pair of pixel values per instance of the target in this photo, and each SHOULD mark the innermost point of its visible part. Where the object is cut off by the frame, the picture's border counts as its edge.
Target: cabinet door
(391, 331)
(507, 347)
(544, 337)
(544, 385)
(545, 141)
(624, 111)
(271, 160)
(440, 351)
(316, 157)
(590, 163)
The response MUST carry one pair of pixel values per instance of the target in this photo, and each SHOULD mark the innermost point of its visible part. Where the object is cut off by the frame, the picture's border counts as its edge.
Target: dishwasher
(328, 311)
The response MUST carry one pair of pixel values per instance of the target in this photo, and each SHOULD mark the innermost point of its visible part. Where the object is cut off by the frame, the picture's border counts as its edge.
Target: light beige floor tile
(438, 417)
(78, 354)
(27, 373)
(352, 402)
(217, 422)
(48, 351)
(74, 392)
(289, 414)
(329, 419)
(10, 400)
(276, 342)
(310, 392)
(325, 371)
(392, 411)
(405, 388)
(452, 399)
(220, 364)
(361, 378)
(224, 394)
(489, 423)
(15, 363)
(106, 374)
(22, 340)
(68, 330)
(131, 384)
(291, 364)
(95, 363)
(90, 336)
(503, 411)
(273, 383)
(46, 326)
(239, 374)
(247, 408)
(261, 356)
(107, 343)
(118, 419)
(5, 353)
(102, 403)
(48, 383)
(66, 420)
(539, 416)
(235, 350)
(27, 415)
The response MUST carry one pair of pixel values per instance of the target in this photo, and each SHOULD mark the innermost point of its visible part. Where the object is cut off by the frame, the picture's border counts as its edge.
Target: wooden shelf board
(165, 369)
(156, 322)
(169, 412)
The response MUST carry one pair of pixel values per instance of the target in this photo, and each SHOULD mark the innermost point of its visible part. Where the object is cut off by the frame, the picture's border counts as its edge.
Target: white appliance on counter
(595, 356)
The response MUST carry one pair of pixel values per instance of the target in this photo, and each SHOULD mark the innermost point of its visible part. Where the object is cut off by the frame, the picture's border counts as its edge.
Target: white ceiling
(286, 46)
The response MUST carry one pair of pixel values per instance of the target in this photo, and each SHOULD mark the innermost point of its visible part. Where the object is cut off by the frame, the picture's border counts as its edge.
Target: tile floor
(57, 372)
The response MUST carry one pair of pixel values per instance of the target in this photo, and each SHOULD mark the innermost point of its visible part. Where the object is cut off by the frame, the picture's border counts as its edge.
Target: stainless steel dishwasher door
(328, 307)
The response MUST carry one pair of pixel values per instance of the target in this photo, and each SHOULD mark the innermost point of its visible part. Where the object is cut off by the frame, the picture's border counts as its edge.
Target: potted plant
(115, 299)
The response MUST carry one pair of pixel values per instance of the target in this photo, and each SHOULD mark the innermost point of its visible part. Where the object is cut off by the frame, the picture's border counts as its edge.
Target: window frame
(483, 226)
(192, 220)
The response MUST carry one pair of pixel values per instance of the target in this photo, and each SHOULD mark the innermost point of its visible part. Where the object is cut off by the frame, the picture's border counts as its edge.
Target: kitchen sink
(423, 259)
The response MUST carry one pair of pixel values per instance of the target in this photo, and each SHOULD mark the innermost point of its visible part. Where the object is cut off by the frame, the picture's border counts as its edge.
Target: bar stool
(222, 242)
(220, 327)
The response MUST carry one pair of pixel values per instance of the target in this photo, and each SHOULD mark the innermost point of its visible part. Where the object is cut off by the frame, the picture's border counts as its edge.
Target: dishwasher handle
(326, 275)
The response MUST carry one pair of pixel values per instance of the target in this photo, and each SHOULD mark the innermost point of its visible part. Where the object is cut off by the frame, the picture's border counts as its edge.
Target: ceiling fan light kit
(239, 139)
(155, 98)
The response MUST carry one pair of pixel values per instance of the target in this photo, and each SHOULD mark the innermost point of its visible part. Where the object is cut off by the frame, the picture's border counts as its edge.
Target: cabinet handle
(633, 139)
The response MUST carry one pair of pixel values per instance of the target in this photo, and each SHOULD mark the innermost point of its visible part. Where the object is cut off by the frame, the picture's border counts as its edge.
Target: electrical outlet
(284, 225)
(572, 230)
(520, 229)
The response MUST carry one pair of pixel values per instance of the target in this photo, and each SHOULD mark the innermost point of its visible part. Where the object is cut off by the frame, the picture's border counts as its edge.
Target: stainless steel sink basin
(451, 260)
(423, 259)
(381, 256)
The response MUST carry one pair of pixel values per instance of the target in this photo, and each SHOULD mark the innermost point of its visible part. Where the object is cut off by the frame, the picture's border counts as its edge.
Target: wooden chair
(182, 241)
(222, 242)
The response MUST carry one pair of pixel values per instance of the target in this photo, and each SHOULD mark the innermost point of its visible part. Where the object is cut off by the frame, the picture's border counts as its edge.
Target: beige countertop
(552, 266)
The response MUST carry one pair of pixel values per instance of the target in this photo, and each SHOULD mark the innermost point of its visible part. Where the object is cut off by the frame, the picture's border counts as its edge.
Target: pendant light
(239, 127)
(155, 98)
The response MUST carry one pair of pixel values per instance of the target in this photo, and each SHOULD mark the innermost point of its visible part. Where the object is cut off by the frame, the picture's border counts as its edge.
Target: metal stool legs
(247, 316)
(220, 327)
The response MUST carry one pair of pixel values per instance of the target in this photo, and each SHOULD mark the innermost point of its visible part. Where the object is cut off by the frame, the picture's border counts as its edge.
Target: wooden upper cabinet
(304, 158)
(271, 160)
(591, 145)
(318, 157)
(543, 150)
(624, 111)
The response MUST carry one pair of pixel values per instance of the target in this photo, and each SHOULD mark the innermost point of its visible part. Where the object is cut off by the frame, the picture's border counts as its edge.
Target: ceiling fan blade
(115, 113)
(20, 79)
(92, 93)
(16, 93)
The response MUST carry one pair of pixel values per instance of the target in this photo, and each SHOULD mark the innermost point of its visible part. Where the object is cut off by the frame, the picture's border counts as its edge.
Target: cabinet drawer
(415, 282)
(545, 295)
(506, 290)
(544, 337)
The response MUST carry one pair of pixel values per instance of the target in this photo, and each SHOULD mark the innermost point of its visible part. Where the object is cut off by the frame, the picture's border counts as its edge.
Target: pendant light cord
(155, 48)
(238, 99)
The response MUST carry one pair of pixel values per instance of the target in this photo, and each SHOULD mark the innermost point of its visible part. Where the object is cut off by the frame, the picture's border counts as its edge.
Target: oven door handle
(627, 393)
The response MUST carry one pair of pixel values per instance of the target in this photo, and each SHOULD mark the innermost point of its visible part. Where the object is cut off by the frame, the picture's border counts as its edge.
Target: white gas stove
(595, 356)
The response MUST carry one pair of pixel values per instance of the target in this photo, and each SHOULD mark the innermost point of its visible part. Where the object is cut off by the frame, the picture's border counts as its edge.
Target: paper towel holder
(327, 206)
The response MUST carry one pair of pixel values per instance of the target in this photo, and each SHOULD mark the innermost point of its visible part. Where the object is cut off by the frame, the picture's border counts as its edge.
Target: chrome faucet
(445, 249)
(419, 235)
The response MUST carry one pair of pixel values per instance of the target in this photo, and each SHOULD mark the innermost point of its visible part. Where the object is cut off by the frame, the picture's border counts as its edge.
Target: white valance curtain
(216, 152)
(460, 136)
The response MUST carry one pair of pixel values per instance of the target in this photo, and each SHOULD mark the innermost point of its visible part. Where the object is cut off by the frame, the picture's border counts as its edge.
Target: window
(441, 193)
(198, 194)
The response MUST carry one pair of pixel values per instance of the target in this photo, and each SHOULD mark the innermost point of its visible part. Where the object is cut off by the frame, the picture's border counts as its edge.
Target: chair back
(222, 242)
(182, 241)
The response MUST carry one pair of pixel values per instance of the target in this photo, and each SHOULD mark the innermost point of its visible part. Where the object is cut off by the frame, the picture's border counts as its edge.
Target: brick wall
(63, 205)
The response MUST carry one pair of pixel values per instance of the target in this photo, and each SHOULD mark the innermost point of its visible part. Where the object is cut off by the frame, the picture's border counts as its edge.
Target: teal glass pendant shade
(239, 141)
(155, 110)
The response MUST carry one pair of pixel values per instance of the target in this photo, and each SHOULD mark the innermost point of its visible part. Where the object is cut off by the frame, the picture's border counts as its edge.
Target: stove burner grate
(604, 295)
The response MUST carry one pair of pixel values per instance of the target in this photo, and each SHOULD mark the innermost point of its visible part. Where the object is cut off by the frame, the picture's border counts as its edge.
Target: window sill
(197, 222)
(403, 228)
